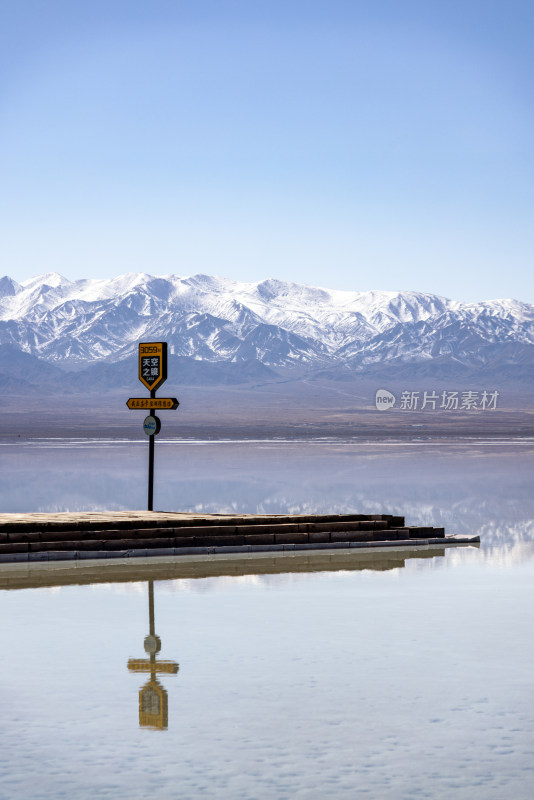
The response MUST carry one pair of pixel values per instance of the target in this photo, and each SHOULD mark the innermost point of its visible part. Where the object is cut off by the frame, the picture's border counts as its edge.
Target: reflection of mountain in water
(469, 489)
(499, 520)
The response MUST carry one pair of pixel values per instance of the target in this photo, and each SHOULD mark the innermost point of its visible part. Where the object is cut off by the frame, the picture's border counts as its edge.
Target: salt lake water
(393, 677)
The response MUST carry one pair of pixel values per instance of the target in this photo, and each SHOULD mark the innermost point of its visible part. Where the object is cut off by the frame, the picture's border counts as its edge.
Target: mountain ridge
(279, 325)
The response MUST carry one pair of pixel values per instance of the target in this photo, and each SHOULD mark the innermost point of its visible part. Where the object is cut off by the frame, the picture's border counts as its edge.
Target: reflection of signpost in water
(152, 373)
(153, 702)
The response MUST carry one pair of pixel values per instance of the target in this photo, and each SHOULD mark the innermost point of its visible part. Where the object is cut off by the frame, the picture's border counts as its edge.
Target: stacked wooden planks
(37, 537)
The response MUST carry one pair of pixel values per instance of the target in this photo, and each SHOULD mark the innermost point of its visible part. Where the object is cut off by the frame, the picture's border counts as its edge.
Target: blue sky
(356, 145)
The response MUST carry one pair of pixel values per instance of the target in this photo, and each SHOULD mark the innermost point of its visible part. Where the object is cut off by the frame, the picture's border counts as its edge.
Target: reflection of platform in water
(26, 575)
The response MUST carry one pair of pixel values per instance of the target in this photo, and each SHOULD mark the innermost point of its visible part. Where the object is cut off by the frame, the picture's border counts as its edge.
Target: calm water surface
(391, 677)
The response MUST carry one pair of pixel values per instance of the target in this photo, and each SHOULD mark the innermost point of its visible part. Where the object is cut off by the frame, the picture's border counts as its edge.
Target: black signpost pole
(152, 373)
(151, 461)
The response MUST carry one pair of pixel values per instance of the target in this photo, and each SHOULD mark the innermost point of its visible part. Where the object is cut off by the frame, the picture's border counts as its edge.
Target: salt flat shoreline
(303, 412)
(51, 438)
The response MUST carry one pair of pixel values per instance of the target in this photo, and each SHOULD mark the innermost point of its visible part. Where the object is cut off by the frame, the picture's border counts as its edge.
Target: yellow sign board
(152, 364)
(145, 665)
(153, 706)
(157, 403)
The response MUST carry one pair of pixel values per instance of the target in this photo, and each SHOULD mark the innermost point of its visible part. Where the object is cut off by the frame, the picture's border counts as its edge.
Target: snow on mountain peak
(277, 322)
(8, 287)
(53, 279)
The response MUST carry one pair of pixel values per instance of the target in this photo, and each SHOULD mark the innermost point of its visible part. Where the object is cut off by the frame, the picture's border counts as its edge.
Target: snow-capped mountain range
(279, 324)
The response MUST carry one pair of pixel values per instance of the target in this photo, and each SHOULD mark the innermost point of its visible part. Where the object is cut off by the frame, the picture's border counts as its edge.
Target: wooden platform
(125, 534)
